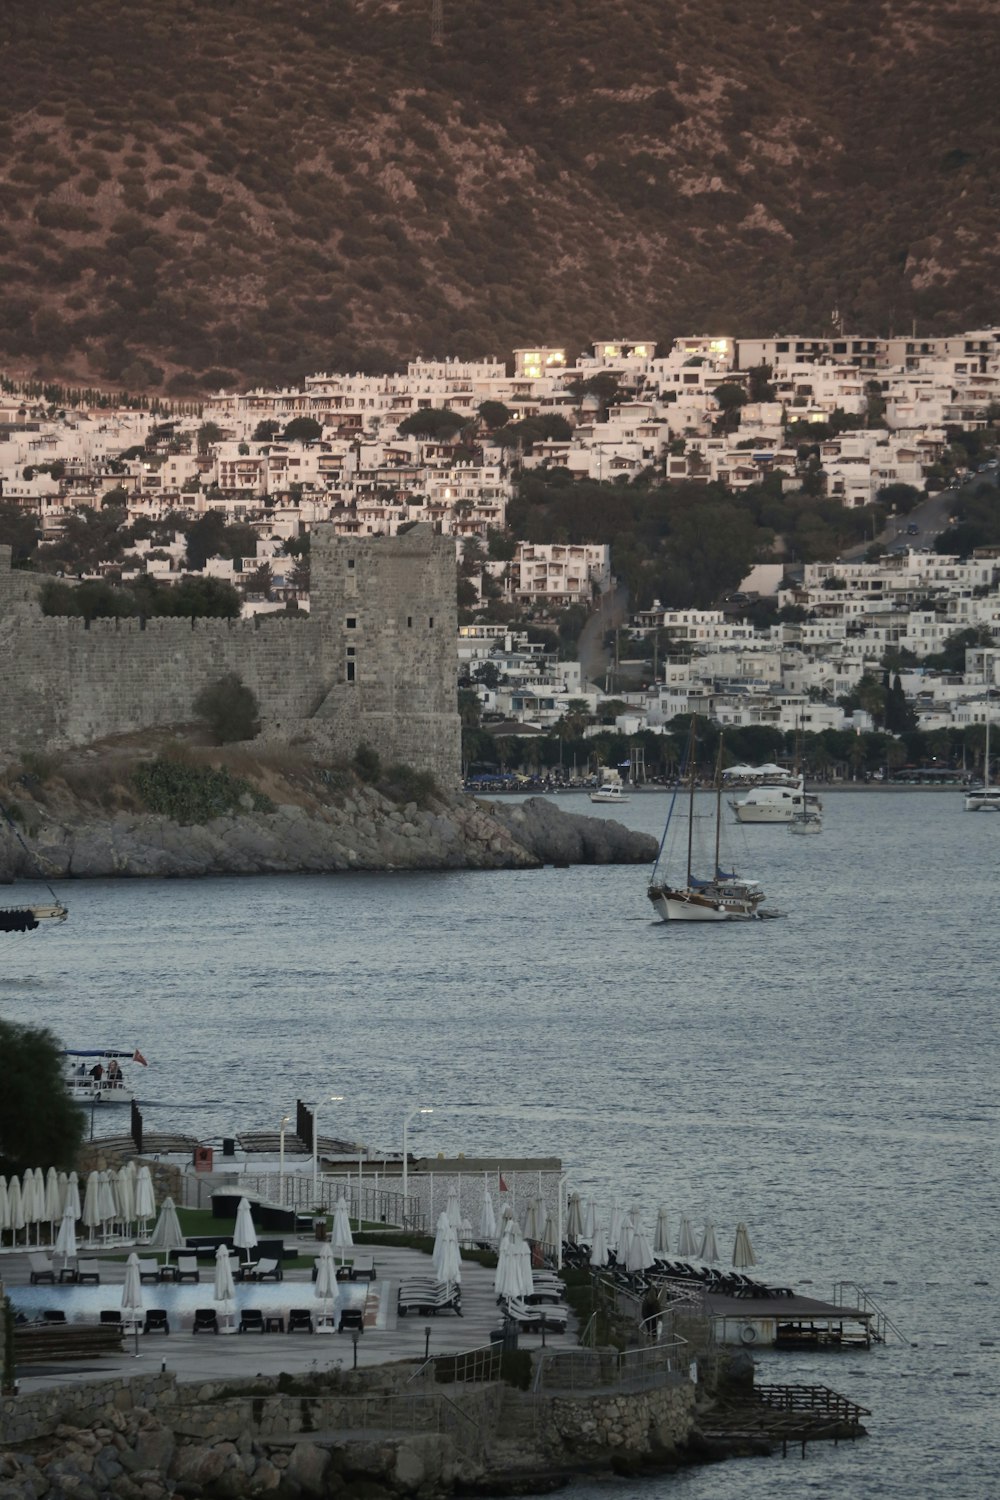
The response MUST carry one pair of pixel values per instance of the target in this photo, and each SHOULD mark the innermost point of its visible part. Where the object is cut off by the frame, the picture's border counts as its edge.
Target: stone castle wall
(373, 662)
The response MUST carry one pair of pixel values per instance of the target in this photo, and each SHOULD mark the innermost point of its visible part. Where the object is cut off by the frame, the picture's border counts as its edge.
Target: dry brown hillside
(200, 189)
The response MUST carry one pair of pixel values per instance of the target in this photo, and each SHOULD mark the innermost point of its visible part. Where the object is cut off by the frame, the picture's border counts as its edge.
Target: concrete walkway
(387, 1337)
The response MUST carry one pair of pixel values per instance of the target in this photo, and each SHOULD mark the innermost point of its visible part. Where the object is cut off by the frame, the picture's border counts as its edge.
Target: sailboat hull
(696, 906)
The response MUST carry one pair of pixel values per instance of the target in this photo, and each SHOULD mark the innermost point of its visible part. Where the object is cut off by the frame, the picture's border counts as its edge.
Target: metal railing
(881, 1323)
(604, 1369)
(816, 1400)
(372, 1205)
(471, 1365)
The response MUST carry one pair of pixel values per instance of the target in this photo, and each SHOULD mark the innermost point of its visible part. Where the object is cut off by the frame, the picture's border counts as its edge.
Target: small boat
(775, 802)
(806, 821)
(985, 798)
(28, 918)
(806, 818)
(94, 1076)
(722, 897)
(610, 789)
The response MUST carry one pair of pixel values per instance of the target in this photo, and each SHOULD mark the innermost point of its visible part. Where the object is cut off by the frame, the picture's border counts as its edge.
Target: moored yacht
(775, 802)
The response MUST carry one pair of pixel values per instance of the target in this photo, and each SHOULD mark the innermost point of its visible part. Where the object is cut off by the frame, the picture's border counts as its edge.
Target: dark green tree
(302, 430)
(266, 431)
(434, 422)
(40, 1126)
(207, 538)
(19, 532)
(229, 708)
(209, 433)
(494, 414)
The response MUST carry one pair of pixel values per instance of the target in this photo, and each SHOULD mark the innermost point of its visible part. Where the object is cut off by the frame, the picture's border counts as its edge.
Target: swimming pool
(84, 1304)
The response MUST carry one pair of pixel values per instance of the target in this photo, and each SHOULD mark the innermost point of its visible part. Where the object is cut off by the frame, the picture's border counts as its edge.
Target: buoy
(748, 1335)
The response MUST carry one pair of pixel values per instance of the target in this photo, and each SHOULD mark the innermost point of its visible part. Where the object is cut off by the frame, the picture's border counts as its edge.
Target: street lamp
(417, 1109)
(330, 1099)
(285, 1120)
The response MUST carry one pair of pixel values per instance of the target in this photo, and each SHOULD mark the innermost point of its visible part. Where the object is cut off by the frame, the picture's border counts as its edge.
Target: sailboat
(806, 815)
(984, 798)
(723, 896)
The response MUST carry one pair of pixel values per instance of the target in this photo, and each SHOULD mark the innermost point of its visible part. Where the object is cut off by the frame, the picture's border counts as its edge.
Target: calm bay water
(831, 1078)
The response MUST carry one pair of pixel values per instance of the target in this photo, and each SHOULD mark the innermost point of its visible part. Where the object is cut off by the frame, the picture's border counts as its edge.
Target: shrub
(229, 708)
(194, 794)
(403, 784)
(366, 763)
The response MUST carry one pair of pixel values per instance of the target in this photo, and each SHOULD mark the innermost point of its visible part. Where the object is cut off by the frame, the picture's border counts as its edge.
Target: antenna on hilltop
(437, 23)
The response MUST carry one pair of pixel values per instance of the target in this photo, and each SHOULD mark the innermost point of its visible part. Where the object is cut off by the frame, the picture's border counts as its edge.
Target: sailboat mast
(718, 808)
(691, 797)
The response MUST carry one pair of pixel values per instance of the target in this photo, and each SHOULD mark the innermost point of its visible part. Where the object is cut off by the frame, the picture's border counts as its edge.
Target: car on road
(913, 529)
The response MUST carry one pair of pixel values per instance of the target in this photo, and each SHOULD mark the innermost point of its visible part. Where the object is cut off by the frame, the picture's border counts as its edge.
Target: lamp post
(285, 1119)
(330, 1099)
(417, 1109)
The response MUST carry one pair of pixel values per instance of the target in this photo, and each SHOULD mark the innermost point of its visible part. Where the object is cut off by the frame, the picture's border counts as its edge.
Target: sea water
(829, 1078)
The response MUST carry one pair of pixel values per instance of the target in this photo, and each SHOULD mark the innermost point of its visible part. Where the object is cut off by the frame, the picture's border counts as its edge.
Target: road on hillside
(594, 656)
(930, 517)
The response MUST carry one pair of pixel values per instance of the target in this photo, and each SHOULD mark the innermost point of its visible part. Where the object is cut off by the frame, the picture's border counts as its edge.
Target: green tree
(209, 433)
(229, 708)
(266, 431)
(494, 414)
(302, 430)
(207, 538)
(730, 396)
(40, 1126)
(20, 533)
(432, 422)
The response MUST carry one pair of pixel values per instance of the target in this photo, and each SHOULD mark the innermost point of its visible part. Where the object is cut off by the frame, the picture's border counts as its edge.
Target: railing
(607, 1369)
(297, 1191)
(881, 1321)
(471, 1365)
(817, 1400)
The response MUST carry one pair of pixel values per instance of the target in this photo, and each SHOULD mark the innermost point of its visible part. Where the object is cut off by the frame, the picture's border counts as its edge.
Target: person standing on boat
(97, 1073)
(114, 1074)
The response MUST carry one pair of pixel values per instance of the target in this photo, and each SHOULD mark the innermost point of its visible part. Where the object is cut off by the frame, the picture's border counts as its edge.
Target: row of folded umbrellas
(622, 1235)
(38, 1202)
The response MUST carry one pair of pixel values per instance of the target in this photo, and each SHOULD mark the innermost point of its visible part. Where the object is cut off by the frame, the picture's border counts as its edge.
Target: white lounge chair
(42, 1269)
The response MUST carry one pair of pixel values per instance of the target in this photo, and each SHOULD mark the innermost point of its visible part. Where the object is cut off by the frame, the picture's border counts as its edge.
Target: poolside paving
(204, 1357)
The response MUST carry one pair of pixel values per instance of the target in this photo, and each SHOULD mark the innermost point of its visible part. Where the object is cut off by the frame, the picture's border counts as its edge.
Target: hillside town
(858, 421)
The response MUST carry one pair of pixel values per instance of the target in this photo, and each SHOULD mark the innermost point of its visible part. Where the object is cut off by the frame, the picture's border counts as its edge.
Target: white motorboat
(806, 821)
(610, 789)
(95, 1075)
(775, 802)
(723, 896)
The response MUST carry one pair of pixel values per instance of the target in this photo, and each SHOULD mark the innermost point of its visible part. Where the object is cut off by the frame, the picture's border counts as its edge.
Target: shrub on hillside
(229, 708)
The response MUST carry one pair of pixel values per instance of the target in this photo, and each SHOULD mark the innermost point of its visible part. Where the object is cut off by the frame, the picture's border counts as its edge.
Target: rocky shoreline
(312, 825)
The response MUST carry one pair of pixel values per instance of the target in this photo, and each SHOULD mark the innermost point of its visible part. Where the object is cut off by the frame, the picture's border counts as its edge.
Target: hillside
(202, 192)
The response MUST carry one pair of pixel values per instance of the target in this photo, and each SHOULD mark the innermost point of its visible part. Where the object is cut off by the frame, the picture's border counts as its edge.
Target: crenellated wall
(374, 661)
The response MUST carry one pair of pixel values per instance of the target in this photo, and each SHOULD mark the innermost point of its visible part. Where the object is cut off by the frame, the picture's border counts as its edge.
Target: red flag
(138, 1057)
(503, 1185)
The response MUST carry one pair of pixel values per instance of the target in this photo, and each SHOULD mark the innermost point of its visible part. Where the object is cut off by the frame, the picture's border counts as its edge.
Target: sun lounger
(187, 1268)
(110, 1317)
(442, 1297)
(300, 1320)
(545, 1315)
(89, 1270)
(264, 1270)
(51, 1315)
(205, 1320)
(149, 1270)
(42, 1269)
(251, 1320)
(351, 1317)
(363, 1270)
(156, 1321)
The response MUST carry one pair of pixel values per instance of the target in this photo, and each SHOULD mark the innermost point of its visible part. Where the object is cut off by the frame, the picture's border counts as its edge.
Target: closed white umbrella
(661, 1235)
(465, 1235)
(589, 1221)
(635, 1215)
(640, 1254)
(340, 1235)
(574, 1218)
(453, 1208)
(549, 1234)
(53, 1200)
(29, 1204)
(223, 1292)
(687, 1247)
(15, 1211)
(108, 1203)
(599, 1248)
(743, 1256)
(92, 1203)
(615, 1227)
(506, 1279)
(244, 1235)
(145, 1200)
(66, 1239)
(707, 1251)
(533, 1219)
(440, 1233)
(125, 1193)
(624, 1241)
(131, 1305)
(488, 1218)
(72, 1198)
(40, 1214)
(4, 1209)
(167, 1232)
(449, 1264)
(526, 1282)
(325, 1289)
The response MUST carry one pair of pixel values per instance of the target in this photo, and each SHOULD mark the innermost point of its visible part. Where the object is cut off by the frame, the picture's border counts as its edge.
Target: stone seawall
(148, 1438)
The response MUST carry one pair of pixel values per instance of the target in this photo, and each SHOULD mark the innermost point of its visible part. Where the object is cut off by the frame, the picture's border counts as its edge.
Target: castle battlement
(373, 661)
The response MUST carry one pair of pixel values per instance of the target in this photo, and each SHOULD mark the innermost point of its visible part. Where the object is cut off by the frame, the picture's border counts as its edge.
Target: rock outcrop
(311, 827)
